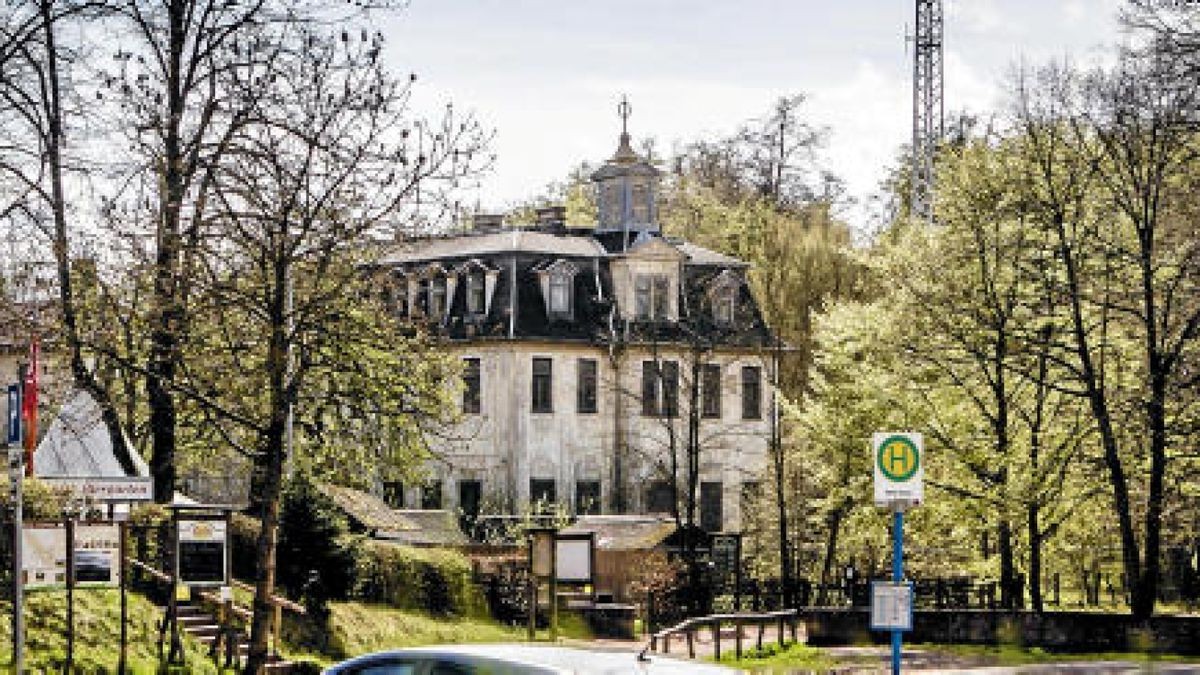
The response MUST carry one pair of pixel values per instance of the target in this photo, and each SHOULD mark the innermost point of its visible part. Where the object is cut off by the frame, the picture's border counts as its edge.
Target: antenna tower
(928, 106)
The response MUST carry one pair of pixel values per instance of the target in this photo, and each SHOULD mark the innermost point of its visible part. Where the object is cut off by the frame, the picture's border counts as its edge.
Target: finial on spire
(625, 151)
(624, 110)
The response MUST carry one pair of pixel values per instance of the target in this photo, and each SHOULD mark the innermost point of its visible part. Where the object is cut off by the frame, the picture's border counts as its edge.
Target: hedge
(438, 581)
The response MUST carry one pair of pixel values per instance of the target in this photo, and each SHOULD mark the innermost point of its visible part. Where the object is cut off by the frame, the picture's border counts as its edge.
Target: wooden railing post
(691, 644)
(716, 631)
(738, 639)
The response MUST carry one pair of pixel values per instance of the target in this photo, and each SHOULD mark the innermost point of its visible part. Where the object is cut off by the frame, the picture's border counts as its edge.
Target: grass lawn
(772, 658)
(361, 628)
(1013, 655)
(97, 633)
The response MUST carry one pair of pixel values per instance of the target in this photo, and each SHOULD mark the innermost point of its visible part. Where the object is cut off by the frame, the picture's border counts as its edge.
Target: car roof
(549, 659)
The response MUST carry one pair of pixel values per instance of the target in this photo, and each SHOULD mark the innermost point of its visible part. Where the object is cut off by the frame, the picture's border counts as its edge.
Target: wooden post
(70, 595)
(691, 644)
(227, 627)
(716, 630)
(666, 643)
(738, 639)
(781, 631)
(175, 651)
(761, 628)
(122, 549)
(554, 586)
(792, 624)
(278, 626)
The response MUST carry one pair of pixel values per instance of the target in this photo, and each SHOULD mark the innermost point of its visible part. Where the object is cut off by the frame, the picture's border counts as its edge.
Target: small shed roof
(434, 528)
(625, 532)
(78, 445)
(367, 511)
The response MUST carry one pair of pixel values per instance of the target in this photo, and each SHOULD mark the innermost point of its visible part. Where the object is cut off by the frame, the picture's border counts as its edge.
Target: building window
(472, 386)
(660, 388)
(711, 507)
(724, 303)
(649, 389)
(751, 393)
(641, 203)
(476, 301)
(587, 497)
(710, 390)
(587, 386)
(560, 295)
(431, 495)
(432, 296)
(660, 498)
(662, 287)
(542, 381)
(542, 494)
(641, 296)
(670, 389)
(470, 494)
(393, 494)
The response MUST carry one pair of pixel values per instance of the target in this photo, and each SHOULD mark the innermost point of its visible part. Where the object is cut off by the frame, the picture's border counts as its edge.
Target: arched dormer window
(722, 297)
(558, 285)
(431, 293)
(478, 281)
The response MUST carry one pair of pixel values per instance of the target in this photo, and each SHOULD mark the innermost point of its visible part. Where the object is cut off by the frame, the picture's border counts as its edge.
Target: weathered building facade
(602, 364)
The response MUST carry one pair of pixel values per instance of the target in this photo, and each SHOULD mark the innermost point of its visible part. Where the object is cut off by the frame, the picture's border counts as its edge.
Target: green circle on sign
(898, 458)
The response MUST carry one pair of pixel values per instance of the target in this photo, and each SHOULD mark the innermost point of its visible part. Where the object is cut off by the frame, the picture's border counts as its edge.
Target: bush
(314, 558)
(437, 581)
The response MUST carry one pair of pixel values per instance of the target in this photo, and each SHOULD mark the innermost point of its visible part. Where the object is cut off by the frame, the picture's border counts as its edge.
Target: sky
(546, 75)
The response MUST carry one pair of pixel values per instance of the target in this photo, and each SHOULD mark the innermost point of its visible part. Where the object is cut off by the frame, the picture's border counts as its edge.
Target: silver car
(517, 660)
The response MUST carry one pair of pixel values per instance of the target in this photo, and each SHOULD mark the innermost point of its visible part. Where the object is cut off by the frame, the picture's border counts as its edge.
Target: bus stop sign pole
(897, 577)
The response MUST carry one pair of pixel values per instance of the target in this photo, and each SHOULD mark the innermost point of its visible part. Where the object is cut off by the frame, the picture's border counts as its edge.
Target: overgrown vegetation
(97, 634)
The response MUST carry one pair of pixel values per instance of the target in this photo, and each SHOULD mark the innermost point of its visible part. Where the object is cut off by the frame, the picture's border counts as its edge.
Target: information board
(202, 556)
(891, 605)
(573, 558)
(97, 552)
(44, 556)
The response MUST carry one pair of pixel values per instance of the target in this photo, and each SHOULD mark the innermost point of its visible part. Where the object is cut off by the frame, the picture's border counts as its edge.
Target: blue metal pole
(897, 576)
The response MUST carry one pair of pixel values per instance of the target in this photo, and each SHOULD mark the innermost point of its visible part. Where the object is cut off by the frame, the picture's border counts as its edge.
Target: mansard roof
(517, 307)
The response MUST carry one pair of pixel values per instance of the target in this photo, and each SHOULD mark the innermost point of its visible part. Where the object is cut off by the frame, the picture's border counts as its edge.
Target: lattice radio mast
(928, 104)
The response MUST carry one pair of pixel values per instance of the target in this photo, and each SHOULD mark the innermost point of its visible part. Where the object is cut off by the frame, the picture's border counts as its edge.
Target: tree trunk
(167, 314)
(281, 382)
(1008, 576)
(1035, 560)
(834, 523)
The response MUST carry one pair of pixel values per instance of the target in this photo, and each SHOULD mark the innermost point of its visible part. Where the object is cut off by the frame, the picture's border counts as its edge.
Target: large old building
(592, 356)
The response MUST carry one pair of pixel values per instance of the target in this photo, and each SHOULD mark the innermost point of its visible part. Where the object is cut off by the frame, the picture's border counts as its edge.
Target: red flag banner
(29, 405)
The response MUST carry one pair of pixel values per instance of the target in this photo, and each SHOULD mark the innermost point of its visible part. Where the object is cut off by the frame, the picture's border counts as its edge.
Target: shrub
(315, 559)
(437, 581)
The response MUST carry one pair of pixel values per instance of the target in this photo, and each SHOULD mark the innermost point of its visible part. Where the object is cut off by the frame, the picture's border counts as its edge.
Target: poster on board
(44, 556)
(97, 549)
(202, 552)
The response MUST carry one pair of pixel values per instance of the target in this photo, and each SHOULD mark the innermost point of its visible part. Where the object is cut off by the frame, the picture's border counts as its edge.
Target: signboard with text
(891, 606)
(202, 559)
(97, 549)
(899, 468)
(44, 555)
(94, 489)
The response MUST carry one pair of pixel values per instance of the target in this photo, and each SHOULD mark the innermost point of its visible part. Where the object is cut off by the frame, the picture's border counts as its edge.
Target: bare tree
(332, 159)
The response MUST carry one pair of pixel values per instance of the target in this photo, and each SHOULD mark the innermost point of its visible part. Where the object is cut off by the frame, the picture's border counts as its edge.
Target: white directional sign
(899, 469)
(891, 605)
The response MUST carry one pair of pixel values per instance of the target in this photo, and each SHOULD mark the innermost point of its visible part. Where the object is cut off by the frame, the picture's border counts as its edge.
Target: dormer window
(652, 297)
(437, 297)
(431, 293)
(475, 292)
(560, 294)
(558, 285)
(722, 297)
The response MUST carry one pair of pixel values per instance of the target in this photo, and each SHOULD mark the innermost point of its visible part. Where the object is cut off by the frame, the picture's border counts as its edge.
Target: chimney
(487, 222)
(552, 218)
